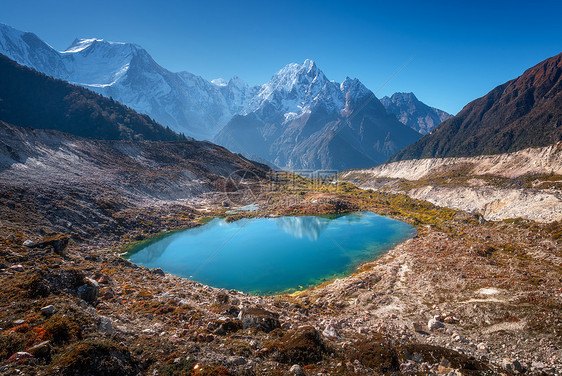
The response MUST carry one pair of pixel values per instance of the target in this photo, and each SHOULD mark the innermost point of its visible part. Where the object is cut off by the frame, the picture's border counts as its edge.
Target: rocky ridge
(530, 187)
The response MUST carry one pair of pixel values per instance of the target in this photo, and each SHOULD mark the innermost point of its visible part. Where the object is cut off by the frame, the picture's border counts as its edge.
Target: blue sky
(456, 50)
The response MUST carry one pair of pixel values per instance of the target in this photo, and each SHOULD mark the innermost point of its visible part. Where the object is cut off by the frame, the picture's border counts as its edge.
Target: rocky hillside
(412, 112)
(524, 184)
(302, 120)
(75, 183)
(32, 99)
(531, 161)
(524, 112)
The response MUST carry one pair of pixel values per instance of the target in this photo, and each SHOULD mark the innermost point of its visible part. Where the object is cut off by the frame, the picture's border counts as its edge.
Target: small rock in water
(48, 310)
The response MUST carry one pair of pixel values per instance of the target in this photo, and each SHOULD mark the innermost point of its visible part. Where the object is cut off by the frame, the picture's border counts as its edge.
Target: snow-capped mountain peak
(293, 89)
(354, 90)
(82, 44)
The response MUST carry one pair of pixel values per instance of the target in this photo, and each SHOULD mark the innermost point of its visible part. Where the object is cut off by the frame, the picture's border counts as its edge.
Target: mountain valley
(86, 181)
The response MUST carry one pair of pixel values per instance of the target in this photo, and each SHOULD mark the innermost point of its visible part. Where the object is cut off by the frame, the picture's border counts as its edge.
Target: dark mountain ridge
(521, 113)
(31, 99)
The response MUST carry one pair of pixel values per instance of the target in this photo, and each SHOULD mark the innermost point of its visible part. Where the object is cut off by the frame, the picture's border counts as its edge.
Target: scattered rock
(225, 327)
(330, 331)
(418, 327)
(296, 370)
(19, 357)
(58, 242)
(105, 324)
(48, 310)
(95, 358)
(483, 347)
(41, 350)
(457, 337)
(300, 346)
(450, 320)
(17, 267)
(237, 361)
(232, 311)
(512, 365)
(18, 322)
(434, 324)
(104, 280)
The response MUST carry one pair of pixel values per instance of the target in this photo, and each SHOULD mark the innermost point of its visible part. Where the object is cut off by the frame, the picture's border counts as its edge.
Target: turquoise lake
(273, 255)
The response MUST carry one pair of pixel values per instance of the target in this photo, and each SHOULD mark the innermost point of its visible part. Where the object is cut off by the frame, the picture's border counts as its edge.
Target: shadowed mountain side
(32, 99)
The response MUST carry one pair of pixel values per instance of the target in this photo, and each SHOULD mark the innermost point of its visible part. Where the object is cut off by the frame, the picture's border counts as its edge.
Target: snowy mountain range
(302, 120)
(296, 103)
(126, 72)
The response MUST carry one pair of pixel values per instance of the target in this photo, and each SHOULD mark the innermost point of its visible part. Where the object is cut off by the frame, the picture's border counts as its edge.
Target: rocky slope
(521, 184)
(524, 112)
(302, 120)
(29, 98)
(412, 112)
(460, 298)
(72, 182)
(530, 161)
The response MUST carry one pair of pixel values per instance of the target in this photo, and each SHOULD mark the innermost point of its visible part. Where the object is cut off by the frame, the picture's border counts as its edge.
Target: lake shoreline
(380, 230)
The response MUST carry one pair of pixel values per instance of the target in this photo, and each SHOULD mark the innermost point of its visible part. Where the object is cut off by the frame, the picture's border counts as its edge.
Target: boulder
(105, 325)
(41, 350)
(512, 365)
(58, 242)
(296, 370)
(48, 310)
(330, 331)
(434, 324)
(158, 271)
(259, 318)
(19, 357)
(89, 290)
(483, 347)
